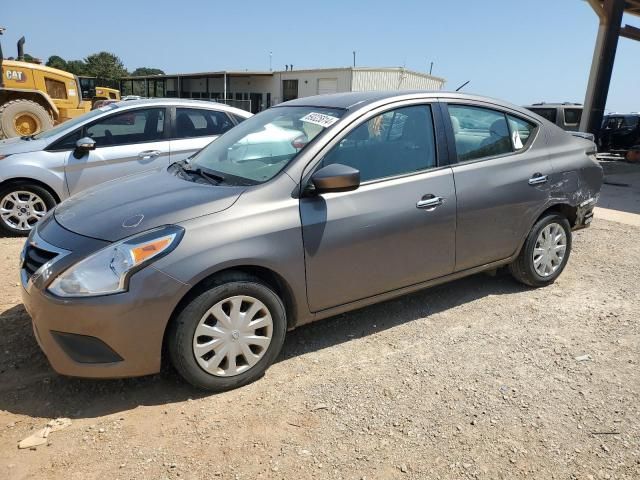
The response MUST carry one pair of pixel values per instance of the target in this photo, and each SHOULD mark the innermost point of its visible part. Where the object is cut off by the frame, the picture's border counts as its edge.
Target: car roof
(357, 100)
(182, 102)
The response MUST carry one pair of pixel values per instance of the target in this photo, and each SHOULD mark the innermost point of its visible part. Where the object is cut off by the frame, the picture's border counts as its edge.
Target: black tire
(182, 329)
(22, 186)
(12, 109)
(523, 269)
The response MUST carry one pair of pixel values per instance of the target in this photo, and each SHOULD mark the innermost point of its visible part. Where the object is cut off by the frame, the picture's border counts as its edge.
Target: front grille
(35, 257)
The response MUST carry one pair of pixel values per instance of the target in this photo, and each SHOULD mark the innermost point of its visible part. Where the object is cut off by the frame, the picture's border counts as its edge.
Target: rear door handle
(429, 202)
(149, 154)
(538, 179)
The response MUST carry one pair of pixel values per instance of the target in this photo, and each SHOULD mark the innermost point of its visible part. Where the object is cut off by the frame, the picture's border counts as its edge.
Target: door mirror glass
(86, 144)
(335, 178)
(83, 146)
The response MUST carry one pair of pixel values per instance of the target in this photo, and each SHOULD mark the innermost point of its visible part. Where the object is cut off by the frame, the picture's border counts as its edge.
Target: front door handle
(429, 202)
(538, 179)
(147, 154)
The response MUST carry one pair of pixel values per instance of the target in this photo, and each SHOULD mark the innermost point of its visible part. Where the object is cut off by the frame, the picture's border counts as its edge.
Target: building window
(289, 90)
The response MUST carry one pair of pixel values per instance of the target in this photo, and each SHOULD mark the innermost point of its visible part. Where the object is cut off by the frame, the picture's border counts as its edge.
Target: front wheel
(22, 205)
(545, 252)
(227, 336)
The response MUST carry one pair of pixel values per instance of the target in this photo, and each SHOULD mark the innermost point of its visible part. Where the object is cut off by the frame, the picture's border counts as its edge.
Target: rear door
(127, 142)
(194, 128)
(398, 227)
(501, 176)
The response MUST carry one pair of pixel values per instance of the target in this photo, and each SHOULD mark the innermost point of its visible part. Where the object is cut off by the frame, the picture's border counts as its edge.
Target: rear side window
(194, 122)
(549, 113)
(396, 142)
(572, 116)
(479, 132)
(521, 131)
(238, 118)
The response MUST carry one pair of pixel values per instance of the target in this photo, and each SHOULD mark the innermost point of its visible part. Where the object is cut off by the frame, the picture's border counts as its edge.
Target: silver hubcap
(233, 336)
(21, 209)
(550, 249)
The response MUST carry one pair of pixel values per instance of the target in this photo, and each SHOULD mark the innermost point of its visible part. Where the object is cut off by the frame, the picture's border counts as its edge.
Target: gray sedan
(309, 209)
(119, 139)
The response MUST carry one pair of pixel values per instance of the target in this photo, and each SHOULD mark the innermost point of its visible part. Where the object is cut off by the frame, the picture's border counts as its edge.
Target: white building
(255, 91)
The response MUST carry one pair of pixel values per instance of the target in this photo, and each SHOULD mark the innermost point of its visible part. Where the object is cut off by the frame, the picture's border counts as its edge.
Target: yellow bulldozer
(34, 97)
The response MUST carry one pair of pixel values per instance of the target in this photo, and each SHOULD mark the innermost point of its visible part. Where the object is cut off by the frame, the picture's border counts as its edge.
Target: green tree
(77, 67)
(105, 65)
(143, 71)
(58, 62)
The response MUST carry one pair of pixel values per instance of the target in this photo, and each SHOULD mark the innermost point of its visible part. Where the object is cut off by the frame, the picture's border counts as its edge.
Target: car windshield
(69, 124)
(261, 146)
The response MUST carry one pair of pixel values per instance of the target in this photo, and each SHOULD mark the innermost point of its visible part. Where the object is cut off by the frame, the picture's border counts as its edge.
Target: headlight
(107, 271)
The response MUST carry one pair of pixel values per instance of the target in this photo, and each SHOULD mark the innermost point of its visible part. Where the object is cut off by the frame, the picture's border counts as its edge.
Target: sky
(522, 51)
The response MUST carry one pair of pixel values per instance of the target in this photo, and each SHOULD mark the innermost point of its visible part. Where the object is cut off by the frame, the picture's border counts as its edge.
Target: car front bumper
(110, 336)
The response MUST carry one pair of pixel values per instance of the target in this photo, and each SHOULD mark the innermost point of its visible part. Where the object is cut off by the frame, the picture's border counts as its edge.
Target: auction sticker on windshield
(321, 119)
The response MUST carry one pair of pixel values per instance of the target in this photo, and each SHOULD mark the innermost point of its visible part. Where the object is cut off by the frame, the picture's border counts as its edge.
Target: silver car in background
(113, 141)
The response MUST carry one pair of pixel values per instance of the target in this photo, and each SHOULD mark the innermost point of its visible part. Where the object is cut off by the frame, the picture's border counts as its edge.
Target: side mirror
(83, 146)
(335, 178)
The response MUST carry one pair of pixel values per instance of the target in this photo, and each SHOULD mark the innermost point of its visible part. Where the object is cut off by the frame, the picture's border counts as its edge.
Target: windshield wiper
(28, 137)
(212, 178)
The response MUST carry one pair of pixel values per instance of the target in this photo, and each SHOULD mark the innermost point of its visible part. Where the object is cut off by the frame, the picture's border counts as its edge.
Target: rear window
(572, 116)
(550, 114)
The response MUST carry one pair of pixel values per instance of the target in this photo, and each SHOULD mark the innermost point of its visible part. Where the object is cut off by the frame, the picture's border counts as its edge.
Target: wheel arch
(565, 209)
(39, 183)
(266, 275)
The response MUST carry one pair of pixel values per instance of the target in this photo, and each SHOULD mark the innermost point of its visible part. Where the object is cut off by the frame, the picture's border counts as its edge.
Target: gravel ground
(480, 378)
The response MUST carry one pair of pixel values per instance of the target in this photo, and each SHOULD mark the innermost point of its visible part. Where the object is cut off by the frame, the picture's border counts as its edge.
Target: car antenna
(462, 86)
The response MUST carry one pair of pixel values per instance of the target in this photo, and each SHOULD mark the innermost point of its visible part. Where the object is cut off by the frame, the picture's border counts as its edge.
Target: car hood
(14, 145)
(133, 204)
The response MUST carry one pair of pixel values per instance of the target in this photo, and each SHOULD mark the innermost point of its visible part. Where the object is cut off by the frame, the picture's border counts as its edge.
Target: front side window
(396, 142)
(572, 116)
(479, 132)
(196, 122)
(261, 146)
(131, 126)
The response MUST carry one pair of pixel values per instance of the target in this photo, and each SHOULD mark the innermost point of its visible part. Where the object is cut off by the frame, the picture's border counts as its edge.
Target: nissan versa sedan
(357, 198)
(118, 139)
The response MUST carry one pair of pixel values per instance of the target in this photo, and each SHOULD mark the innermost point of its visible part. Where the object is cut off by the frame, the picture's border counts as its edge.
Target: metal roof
(246, 73)
(221, 73)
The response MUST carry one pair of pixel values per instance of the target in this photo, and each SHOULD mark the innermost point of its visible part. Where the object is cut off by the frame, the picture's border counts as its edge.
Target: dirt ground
(480, 378)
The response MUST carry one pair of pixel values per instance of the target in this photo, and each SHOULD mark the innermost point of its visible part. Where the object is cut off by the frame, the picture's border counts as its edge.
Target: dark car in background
(566, 115)
(619, 133)
(309, 209)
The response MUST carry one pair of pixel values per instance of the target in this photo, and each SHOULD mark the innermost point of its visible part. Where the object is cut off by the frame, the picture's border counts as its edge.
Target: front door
(502, 181)
(126, 143)
(397, 228)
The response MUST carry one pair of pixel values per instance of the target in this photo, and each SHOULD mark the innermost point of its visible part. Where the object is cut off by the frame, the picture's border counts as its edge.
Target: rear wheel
(23, 117)
(228, 335)
(545, 252)
(22, 205)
